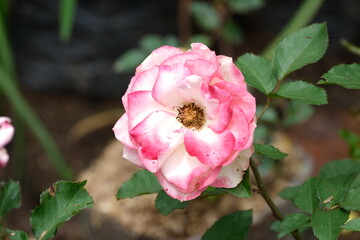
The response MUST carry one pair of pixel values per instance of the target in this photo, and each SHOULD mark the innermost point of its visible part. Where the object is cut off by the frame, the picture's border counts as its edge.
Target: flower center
(191, 116)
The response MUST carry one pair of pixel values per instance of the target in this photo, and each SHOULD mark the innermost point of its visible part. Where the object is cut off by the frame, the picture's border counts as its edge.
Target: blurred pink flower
(6, 134)
(189, 119)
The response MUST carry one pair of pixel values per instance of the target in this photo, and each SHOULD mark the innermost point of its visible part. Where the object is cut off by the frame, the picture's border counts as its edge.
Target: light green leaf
(129, 60)
(339, 167)
(244, 6)
(300, 48)
(243, 189)
(306, 197)
(269, 151)
(292, 222)
(229, 227)
(289, 193)
(58, 205)
(142, 182)
(303, 92)
(205, 15)
(258, 72)
(353, 225)
(17, 235)
(166, 204)
(327, 224)
(345, 75)
(352, 200)
(10, 196)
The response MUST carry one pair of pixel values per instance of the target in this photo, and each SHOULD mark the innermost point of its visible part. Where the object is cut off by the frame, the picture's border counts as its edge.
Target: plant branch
(265, 194)
(184, 21)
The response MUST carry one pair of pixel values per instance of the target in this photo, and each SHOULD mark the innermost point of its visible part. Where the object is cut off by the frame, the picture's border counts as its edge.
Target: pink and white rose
(6, 134)
(189, 120)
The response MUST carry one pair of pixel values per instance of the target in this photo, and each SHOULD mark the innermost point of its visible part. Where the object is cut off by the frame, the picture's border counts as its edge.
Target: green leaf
(258, 72)
(339, 167)
(205, 15)
(129, 60)
(58, 205)
(332, 191)
(306, 197)
(345, 75)
(229, 227)
(352, 200)
(353, 225)
(353, 141)
(269, 151)
(244, 6)
(17, 235)
(276, 226)
(243, 189)
(270, 114)
(142, 182)
(289, 193)
(300, 48)
(297, 112)
(66, 15)
(232, 33)
(292, 222)
(303, 92)
(327, 224)
(10, 196)
(166, 204)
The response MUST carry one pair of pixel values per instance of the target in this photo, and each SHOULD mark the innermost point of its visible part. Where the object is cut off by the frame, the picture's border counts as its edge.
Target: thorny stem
(265, 194)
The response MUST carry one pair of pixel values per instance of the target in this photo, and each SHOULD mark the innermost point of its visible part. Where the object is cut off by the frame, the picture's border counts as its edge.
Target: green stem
(66, 18)
(350, 47)
(304, 14)
(25, 111)
(265, 194)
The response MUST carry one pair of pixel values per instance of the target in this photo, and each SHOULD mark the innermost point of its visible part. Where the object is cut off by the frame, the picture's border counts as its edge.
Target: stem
(304, 14)
(265, 194)
(184, 21)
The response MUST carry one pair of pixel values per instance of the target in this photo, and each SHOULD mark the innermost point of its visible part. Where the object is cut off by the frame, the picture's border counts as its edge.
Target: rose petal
(157, 57)
(180, 58)
(155, 134)
(230, 72)
(132, 155)
(231, 175)
(212, 149)
(186, 173)
(204, 52)
(166, 87)
(6, 131)
(4, 157)
(240, 128)
(142, 104)
(121, 131)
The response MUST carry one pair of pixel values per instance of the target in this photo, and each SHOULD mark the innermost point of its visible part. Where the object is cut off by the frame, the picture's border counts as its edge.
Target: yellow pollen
(191, 116)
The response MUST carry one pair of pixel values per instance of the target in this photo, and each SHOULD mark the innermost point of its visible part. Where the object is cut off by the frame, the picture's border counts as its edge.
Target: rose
(6, 134)
(188, 115)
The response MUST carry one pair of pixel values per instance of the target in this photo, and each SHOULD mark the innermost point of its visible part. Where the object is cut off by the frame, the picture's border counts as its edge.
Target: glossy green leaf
(306, 197)
(339, 167)
(10, 196)
(327, 224)
(233, 226)
(166, 204)
(17, 235)
(142, 182)
(353, 225)
(303, 92)
(269, 151)
(289, 193)
(292, 222)
(66, 15)
(205, 15)
(58, 205)
(345, 75)
(243, 189)
(244, 6)
(129, 60)
(258, 72)
(300, 48)
(352, 200)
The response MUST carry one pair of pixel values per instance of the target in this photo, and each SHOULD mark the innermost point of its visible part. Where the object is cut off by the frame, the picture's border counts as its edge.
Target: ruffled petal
(180, 58)
(121, 131)
(141, 104)
(4, 157)
(132, 155)
(230, 72)
(204, 52)
(203, 68)
(240, 128)
(186, 173)
(6, 131)
(166, 87)
(212, 149)
(157, 133)
(231, 175)
(157, 57)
